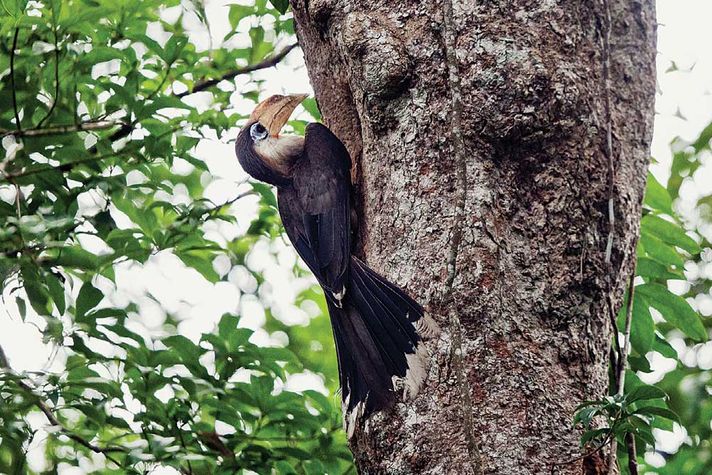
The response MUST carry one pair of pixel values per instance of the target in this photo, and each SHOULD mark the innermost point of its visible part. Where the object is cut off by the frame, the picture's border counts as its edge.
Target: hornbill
(378, 329)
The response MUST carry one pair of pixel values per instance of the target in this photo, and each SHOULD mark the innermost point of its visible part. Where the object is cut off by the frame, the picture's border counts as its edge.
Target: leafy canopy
(103, 104)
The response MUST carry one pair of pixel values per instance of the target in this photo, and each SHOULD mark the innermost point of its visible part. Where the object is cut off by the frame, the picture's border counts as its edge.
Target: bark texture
(479, 131)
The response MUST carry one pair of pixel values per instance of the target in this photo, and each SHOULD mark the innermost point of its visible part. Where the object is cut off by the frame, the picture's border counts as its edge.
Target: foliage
(670, 247)
(94, 107)
(631, 412)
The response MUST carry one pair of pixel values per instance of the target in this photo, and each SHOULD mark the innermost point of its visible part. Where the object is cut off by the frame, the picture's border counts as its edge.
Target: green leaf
(200, 261)
(88, 298)
(73, 257)
(295, 452)
(174, 46)
(664, 348)
(586, 414)
(21, 307)
(643, 432)
(185, 348)
(238, 12)
(658, 411)
(13, 8)
(231, 335)
(656, 196)
(670, 233)
(661, 252)
(100, 54)
(704, 206)
(162, 102)
(56, 291)
(312, 107)
(266, 193)
(647, 267)
(674, 309)
(150, 43)
(280, 5)
(145, 220)
(645, 392)
(590, 435)
(36, 292)
(639, 363)
(642, 330)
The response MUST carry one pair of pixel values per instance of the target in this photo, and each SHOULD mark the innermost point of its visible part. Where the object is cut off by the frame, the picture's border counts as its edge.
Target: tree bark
(479, 136)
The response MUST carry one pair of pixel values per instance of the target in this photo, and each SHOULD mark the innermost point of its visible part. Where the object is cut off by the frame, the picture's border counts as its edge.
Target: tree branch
(264, 64)
(62, 129)
(189, 471)
(622, 363)
(632, 454)
(47, 411)
(620, 380)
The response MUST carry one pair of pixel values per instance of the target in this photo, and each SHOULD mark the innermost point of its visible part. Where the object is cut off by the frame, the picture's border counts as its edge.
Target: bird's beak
(274, 111)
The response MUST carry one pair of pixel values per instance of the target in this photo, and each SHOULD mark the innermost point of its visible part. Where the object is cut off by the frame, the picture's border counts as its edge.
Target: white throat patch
(280, 152)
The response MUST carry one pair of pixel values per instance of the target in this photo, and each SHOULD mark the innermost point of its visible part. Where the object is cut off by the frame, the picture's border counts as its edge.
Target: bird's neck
(280, 153)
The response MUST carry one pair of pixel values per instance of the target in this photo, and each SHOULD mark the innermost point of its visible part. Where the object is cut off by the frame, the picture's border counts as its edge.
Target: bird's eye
(258, 131)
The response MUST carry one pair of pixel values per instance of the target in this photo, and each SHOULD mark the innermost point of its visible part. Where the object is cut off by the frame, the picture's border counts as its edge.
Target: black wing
(316, 207)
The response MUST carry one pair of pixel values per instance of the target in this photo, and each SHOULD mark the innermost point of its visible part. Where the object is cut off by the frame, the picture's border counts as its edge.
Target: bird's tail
(378, 333)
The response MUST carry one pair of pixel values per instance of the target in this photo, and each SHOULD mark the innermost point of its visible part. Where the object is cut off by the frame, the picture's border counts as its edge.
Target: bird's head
(262, 152)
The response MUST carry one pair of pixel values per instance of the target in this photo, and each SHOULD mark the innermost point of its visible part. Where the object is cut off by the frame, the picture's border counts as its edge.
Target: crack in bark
(449, 37)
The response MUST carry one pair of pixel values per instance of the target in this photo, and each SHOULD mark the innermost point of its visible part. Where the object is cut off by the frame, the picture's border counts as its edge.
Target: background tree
(483, 166)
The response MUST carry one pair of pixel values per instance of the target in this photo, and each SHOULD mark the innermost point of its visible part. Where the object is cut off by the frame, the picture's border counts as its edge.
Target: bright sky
(684, 107)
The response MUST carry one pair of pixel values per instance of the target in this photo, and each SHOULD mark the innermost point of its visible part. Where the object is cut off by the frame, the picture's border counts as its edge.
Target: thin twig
(182, 443)
(160, 84)
(233, 200)
(47, 411)
(264, 64)
(620, 380)
(632, 454)
(56, 69)
(616, 340)
(12, 79)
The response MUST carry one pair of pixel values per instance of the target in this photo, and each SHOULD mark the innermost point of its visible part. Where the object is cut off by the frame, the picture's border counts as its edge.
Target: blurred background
(179, 249)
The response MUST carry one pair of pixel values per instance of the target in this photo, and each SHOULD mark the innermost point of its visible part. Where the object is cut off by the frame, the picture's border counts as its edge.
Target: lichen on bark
(531, 283)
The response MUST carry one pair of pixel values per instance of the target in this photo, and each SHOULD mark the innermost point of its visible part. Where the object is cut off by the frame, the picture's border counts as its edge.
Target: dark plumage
(377, 327)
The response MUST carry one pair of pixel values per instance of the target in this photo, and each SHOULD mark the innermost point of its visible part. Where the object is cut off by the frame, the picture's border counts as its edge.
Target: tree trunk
(479, 135)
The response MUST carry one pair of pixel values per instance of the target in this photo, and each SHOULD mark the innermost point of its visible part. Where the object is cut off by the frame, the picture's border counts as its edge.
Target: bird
(379, 330)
